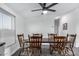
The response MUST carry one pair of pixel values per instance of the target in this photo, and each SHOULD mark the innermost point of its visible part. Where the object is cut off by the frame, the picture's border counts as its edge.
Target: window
(7, 27)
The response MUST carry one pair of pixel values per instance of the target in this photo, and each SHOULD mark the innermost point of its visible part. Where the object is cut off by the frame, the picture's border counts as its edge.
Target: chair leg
(72, 52)
(50, 50)
(21, 50)
(40, 51)
(63, 53)
(19, 53)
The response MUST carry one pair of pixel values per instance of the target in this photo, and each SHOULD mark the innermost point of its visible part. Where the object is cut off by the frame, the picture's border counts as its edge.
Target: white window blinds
(7, 28)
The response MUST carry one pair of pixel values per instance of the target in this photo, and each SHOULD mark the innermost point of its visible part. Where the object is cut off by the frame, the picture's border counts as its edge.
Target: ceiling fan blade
(51, 5)
(36, 10)
(51, 10)
(41, 5)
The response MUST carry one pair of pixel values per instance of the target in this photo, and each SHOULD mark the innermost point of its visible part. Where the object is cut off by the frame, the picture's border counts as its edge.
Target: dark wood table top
(45, 40)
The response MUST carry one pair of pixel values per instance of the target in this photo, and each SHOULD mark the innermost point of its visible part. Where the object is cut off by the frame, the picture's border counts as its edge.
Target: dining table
(44, 40)
(47, 40)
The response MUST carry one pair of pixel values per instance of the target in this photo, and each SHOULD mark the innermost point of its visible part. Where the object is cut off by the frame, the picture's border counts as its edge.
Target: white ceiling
(24, 9)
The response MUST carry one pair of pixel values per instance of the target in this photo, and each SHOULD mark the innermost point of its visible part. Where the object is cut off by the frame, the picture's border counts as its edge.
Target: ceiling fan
(45, 8)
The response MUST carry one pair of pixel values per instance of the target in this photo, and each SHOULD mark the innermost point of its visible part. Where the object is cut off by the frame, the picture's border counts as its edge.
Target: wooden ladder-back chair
(35, 43)
(51, 38)
(71, 38)
(23, 45)
(59, 44)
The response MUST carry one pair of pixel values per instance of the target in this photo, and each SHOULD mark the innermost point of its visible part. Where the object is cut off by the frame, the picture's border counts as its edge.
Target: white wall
(19, 29)
(39, 24)
(72, 18)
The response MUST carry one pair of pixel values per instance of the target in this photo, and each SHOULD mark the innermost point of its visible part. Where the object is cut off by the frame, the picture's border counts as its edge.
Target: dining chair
(51, 38)
(71, 38)
(35, 43)
(23, 46)
(59, 45)
(37, 34)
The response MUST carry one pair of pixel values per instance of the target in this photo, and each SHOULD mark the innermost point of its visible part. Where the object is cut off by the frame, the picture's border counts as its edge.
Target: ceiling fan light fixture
(44, 11)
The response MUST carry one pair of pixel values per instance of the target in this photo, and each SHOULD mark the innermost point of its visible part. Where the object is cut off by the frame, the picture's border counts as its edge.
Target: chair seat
(56, 46)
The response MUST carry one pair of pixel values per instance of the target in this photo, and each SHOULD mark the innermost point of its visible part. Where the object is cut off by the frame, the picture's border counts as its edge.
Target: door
(56, 26)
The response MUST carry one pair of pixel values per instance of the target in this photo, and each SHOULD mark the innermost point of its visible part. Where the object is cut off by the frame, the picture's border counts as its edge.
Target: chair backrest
(60, 41)
(37, 41)
(71, 38)
(51, 36)
(39, 35)
(21, 39)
